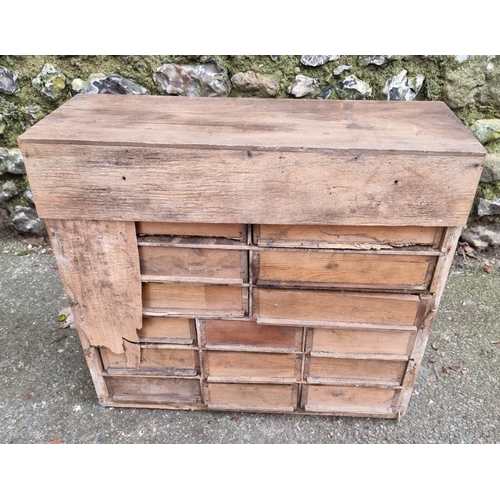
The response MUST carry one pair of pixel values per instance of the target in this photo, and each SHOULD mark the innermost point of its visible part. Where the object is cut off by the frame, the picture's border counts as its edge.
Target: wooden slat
(228, 186)
(311, 307)
(256, 123)
(237, 334)
(167, 330)
(231, 231)
(193, 264)
(354, 237)
(311, 268)
(361, 341)
(193, 299)
(325, 396)
(99, 266)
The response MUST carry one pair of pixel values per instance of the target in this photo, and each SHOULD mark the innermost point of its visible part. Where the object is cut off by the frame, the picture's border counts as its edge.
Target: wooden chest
(250, 254)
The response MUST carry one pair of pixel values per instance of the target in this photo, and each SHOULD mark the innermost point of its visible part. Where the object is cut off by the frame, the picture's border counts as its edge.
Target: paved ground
(46, 394)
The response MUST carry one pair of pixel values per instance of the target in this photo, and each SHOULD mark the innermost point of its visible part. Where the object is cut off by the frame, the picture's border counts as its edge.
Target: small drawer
(310, 268)
(265, 397)
(251, 366)
(181, 361)
(353, 237)
(355, 371)
(386, 344)
(199, 265)
(194, 300)
(153, 390)
(376, 401)
(167, 330)
(248, 335)
(329, 308)
(229, 231)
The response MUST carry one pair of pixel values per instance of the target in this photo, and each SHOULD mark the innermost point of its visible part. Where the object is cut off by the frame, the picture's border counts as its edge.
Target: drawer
(354, 237)
(229, 231)
(309, 268)
(167, 330)
(153, 390)
(388, 344)
(265, 397)
(194, 300)
(355, 371)
(251, 366)
(200, 265)
(248, 335)
(181, 361)
(375, 401)
(329, 308)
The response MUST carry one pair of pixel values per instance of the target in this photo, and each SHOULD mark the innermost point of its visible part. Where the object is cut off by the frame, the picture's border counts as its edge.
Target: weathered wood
(99, 266)
(231, 231)
(347, 237)
(167, 330)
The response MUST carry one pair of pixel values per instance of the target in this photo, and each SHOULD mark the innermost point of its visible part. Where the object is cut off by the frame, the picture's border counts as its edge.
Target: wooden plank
(237, 334)
(250, 364)
(297, 125)
(228, 186)
(153, 389)
(167, 330)
(193, 264)
(312, 307)
(365, 370)
(311, 268)
(99, 266)
(361, 342)
(354, 237)
(231, 231)
(192, 299)
(355, 397)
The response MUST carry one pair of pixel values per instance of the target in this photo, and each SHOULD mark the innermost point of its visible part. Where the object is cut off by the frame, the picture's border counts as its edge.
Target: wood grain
(99, 266)
(167, 330)
(230, 231)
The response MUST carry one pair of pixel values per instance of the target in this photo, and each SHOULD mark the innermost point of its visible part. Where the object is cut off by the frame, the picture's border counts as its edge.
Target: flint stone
(375, 60)
(462, 85)
(303, 85)
(353, 88)
(317, 60)
(481, 237)
(489, 94)
(33, 113)
(50, 82)
(486, 130)
(8, 190)
(29, 196)
(204, 80)
(255, 84)
(8, 81)
(340, 69)
(26, 220)
(274, 58)
(487, 207)
(99, 83)
(401, 88)
(11, 161)
(491, 170)
(325, 93)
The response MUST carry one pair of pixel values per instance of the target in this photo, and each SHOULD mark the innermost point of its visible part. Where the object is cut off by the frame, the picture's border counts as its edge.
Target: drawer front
(181, 361)
(360, 342)
(354, 237)
(167, 330)
(153, 390)
(248, 335)
(323, 268)
(201, 265)
(250, 365)
(252, 396)
(194, 300)
(320, 308)
(230, 231)
(363, 371)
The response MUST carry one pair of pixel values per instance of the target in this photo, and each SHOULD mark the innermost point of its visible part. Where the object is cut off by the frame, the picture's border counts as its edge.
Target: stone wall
(33, 86)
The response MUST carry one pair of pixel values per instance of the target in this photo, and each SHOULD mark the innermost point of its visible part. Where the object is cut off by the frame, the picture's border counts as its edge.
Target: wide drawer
(194, 300)
(167, 330)
(309, 268)
(325, 308)
(353, 237)
(248, 335)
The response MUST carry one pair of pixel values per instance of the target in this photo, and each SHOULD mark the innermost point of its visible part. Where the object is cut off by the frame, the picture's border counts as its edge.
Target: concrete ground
(46, 394)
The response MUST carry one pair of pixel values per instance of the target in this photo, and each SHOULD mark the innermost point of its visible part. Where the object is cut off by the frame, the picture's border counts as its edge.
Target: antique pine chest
(251, 254)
